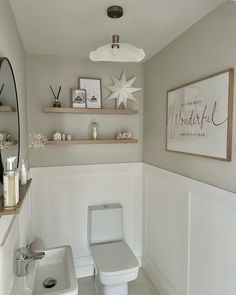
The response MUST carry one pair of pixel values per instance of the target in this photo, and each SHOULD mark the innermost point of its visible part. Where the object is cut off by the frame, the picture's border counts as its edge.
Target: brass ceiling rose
(115, 11)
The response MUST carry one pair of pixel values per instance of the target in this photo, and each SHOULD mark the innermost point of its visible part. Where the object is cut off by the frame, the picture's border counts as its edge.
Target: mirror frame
(2, 59)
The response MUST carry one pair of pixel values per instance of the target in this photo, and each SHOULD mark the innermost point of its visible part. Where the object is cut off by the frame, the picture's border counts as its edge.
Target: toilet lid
(113, 258)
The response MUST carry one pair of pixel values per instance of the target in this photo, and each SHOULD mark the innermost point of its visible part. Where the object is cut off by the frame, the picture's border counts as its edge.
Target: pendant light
(116, 51)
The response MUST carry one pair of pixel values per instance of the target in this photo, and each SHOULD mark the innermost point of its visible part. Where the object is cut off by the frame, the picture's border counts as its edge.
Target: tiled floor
(141, 286)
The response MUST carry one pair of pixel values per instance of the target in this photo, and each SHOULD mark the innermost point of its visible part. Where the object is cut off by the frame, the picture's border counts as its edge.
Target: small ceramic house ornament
(56, 136)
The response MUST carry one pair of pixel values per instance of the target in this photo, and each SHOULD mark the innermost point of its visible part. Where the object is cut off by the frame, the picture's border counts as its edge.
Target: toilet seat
(115, 262)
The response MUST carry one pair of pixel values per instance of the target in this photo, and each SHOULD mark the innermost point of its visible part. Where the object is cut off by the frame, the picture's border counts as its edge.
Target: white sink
(56, 267)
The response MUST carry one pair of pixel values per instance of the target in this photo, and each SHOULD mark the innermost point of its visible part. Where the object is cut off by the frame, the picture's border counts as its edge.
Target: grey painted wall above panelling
(12, 48)
(45, 70)
(208, 47)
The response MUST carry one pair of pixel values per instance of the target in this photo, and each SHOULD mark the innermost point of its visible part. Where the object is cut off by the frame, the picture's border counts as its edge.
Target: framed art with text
(200, 116)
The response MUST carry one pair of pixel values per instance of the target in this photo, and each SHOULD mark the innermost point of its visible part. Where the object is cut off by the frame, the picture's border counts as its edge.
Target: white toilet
(115, 263)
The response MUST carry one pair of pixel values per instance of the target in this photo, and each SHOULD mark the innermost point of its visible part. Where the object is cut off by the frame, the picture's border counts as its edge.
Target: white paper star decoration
(122, 90)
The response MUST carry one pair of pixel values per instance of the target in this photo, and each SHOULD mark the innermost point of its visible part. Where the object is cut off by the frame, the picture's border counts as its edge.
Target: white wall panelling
(213, 243)
(61, 196)
(25, 226)
(5, 224)
(15, 232)
(7, 254)
(189, 245)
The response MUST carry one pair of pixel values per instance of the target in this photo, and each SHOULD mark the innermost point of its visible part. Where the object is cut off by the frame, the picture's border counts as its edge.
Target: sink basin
(53, 275)
(57, 267)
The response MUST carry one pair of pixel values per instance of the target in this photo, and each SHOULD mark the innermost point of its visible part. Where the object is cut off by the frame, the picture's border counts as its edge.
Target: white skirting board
(161, 283)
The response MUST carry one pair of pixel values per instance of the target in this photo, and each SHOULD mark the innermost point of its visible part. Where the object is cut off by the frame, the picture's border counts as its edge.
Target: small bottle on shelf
(10, 185)
(23, 173)
(95, 130)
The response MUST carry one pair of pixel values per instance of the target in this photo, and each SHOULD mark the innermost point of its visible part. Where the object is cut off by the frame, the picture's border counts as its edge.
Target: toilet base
(121, 289)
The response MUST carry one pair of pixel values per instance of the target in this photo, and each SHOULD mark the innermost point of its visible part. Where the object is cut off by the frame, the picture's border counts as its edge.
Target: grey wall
(208, 47)
(45, 70)
(11, 47)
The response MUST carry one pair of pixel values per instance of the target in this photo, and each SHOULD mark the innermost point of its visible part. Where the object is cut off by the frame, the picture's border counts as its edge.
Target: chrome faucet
(24, 256)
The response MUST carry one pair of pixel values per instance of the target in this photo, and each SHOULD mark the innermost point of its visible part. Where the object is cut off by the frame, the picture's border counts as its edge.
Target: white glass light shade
(125, 53)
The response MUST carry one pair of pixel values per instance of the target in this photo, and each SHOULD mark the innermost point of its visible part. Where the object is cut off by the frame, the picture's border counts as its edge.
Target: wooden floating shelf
(90, 111)
(92, 141)
(22, 194)
(7, 109)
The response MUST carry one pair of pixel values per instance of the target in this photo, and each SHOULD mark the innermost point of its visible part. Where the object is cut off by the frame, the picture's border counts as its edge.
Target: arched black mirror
(9, 117)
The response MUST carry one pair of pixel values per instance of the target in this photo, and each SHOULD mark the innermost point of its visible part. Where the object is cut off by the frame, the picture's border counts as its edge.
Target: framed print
(78, 97)
(200, 115)
(93, 92)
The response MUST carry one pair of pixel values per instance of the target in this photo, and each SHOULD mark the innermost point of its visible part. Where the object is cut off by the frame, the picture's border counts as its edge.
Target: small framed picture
(93, 92)
(78, 97)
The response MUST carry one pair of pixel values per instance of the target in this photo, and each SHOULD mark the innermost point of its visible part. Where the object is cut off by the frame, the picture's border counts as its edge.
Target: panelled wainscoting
(15, 232)
(61, 196)
(189, 235)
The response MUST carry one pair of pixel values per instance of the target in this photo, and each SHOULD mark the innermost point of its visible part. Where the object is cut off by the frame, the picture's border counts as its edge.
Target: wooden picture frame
(78, 98)
(93, 92)
(199, 117)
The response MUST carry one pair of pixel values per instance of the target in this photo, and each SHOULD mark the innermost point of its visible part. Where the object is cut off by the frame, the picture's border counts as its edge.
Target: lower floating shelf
(92, 141)
(22, 193)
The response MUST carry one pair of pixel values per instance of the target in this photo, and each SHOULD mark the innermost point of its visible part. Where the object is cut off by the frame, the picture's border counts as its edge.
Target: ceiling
(74, 27)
